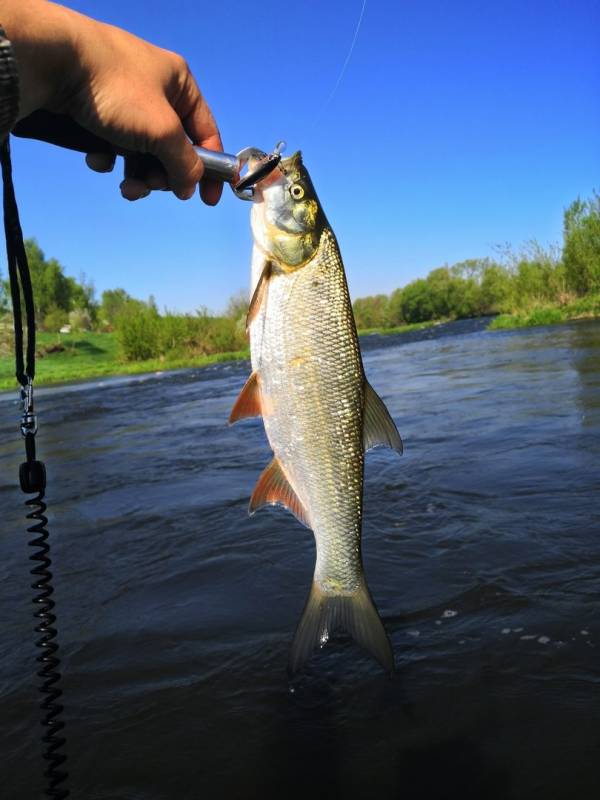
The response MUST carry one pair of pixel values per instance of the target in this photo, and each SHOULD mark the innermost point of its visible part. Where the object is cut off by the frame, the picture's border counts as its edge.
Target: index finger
(199, 124)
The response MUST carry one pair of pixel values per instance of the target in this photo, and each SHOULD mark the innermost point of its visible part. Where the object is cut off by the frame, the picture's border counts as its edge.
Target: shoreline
(540, 317)
(135, 368)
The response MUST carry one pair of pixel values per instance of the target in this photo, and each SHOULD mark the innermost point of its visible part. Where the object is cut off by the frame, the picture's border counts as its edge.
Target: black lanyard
(32, 477)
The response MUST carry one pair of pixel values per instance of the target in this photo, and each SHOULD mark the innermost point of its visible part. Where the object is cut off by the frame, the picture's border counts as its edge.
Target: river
(177, 610)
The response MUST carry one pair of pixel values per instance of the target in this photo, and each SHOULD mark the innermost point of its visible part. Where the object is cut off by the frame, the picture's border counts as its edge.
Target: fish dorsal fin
(259, 294)
(273, 488)
(248, 402)
(379, 429)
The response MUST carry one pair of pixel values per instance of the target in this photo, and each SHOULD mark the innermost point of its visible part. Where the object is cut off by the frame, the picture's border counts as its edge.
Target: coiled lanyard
(32, 477)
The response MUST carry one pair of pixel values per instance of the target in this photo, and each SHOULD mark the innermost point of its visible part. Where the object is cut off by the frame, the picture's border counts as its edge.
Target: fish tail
(355, 613)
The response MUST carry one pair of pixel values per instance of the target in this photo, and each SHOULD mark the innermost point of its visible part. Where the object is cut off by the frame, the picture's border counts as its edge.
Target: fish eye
(297, 191)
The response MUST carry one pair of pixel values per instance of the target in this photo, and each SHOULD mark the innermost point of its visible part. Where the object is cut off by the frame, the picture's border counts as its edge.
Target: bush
(581, 251)
(80, 319)
(138, 333)
(54, 319)
(142, 334)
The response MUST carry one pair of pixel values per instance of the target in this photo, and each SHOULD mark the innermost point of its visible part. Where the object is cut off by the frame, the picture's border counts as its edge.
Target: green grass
(95, 355)
(583, 308)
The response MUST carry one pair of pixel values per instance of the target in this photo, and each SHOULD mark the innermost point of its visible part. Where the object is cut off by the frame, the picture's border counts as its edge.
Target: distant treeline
(517, 281)
(530, 278)
(141, 330)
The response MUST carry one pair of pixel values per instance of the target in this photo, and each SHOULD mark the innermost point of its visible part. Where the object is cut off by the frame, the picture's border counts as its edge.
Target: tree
(53, 291)
(371, 312)
(112, 303)
(497, 290)
(394, 309)
(581, 248)
(417, 302)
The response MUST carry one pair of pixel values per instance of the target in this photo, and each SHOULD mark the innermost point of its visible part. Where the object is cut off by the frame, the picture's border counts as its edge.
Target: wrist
(43, 37)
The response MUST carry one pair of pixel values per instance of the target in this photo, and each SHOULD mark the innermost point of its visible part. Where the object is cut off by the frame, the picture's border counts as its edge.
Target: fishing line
(342, 72)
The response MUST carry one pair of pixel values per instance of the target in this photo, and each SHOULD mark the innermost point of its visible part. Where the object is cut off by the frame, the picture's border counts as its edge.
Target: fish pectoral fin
(259, 294)
(273, 488)
(248, 403)
(379, 429)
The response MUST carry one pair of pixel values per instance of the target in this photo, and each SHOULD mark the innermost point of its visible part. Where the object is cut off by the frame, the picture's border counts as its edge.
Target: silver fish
(320, 413)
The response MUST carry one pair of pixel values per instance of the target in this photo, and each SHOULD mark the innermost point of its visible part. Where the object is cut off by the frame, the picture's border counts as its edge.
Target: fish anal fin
(248, 403)
(259, 294)
(326, 612)
(379, 429)
(273, 488)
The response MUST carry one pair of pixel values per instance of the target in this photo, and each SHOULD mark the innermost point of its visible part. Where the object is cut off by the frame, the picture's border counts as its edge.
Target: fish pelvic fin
(354, 613)
(248, 403)
(273, 488)
(379, 429)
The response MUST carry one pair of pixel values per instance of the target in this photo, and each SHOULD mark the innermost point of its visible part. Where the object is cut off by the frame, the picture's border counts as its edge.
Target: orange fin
(259, 295)
(248, 402)
(273, 488)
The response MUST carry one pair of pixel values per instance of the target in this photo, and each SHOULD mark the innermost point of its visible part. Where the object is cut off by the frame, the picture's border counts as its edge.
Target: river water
(481, 547)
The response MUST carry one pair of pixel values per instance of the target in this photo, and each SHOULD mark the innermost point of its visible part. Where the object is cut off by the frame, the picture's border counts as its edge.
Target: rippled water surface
(481, 546)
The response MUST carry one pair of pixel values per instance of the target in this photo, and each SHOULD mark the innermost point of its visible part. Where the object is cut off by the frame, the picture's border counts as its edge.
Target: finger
(211, 191)
(182, 165)
(101, 162)
(201, 127)
(146, 169)
(156, 179)
(196, 115)
(134, 189)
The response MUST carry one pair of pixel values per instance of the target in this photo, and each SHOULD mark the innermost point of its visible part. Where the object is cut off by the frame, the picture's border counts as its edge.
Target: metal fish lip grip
(226, 167)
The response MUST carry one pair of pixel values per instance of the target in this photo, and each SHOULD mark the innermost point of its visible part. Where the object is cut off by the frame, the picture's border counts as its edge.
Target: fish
(320, 413)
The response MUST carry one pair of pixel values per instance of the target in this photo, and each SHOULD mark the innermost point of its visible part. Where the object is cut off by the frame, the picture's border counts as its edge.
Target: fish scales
(305, 350)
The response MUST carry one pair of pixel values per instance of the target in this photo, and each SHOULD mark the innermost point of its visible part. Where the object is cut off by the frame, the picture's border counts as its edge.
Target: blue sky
(457, 126)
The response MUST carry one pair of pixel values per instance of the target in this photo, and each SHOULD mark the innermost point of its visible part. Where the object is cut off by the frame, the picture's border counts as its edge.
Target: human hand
(135, 97)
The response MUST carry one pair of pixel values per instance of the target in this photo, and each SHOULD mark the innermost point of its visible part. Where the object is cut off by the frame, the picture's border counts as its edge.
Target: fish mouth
(281, 172)
(269, 180)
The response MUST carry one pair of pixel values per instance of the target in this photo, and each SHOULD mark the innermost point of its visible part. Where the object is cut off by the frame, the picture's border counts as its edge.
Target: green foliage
(580, 308)
(417, 302)
(581, 250)
(80, 319)
(237, 305)
(142, 334)
(55, 318)
(394, 309)
(371, 312)
(138, 332)
(53, 291)
(112, 303)
(497, 289)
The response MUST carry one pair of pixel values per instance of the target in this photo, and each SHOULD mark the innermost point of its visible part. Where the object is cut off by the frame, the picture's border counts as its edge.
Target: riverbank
(67, 358)
(583, 308)
(70, 358)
